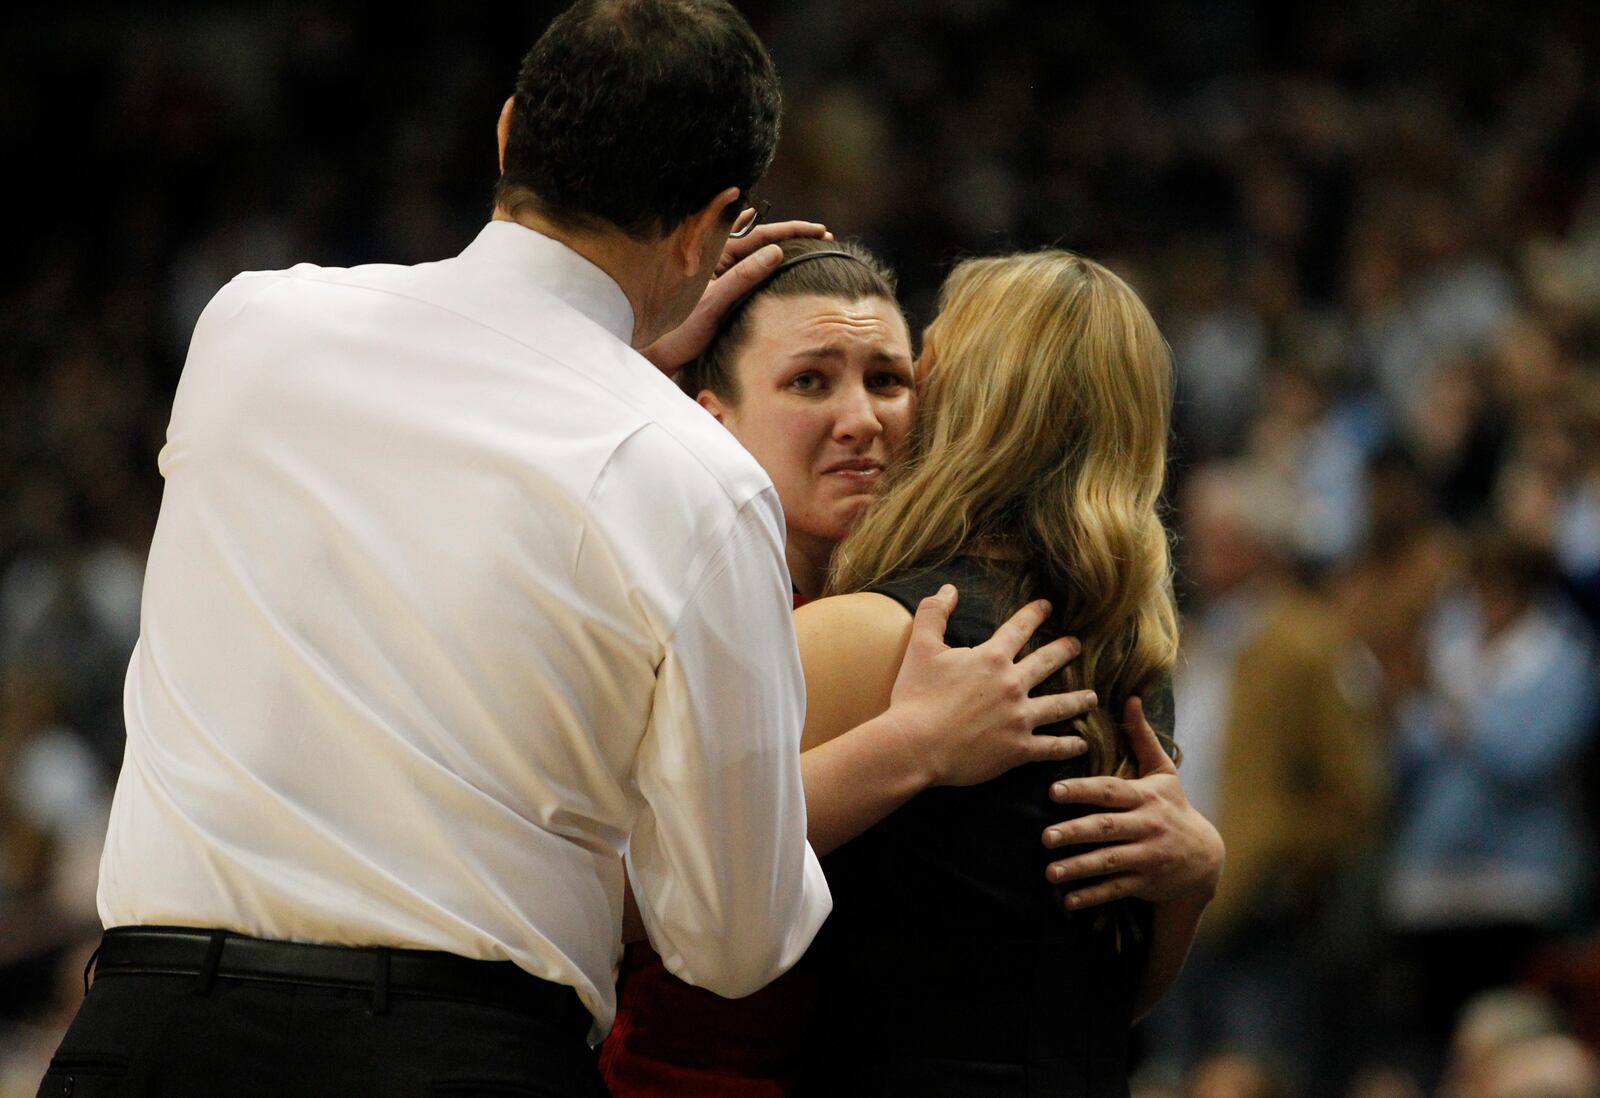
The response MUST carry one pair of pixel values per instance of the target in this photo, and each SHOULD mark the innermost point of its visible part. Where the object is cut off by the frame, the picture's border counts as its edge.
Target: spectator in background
(1232, 1075)
(1486, 854)
(1555, 1066)
(1509, 1043)
(1462, 439)
(1384, 1082)
(1387, 592)
(1275, 718)
(1488, 1024)
(1426, 289)
(1219, 344)
(1318, 445)
(53, 805)
(69, 605)
(1549, 490)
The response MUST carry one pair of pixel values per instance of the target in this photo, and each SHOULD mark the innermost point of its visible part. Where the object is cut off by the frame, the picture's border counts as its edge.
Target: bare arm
(1172, 932)
(891, 710)
(1157, 848)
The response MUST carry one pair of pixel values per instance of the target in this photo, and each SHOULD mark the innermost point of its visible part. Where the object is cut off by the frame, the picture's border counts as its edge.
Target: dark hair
(635, 113)
(1508, 558)
(1396, 457)
(863, 275)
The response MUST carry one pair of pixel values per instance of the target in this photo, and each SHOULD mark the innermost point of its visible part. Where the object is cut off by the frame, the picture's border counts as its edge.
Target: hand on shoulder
(966, 712)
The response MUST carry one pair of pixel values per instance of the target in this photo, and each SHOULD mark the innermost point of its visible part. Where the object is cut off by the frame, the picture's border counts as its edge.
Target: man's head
(1239, 526)
(633, 115)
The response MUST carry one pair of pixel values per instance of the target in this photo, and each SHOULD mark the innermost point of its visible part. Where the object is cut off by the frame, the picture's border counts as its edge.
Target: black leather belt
(212, 954)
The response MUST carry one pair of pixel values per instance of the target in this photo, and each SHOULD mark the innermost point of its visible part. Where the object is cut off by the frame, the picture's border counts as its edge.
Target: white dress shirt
(454, 600)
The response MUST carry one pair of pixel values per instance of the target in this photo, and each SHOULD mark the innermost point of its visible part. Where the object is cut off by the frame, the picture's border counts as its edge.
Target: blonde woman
(956, 960)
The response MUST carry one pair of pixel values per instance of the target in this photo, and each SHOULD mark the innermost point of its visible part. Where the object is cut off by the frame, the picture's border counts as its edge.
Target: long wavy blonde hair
(1041, 440)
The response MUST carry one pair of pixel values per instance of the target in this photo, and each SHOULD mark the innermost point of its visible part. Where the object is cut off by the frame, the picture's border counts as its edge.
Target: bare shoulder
(851, 647)
(874, 618)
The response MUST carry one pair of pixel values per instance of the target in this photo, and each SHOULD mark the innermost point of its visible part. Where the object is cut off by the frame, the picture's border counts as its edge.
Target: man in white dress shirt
(454, 600)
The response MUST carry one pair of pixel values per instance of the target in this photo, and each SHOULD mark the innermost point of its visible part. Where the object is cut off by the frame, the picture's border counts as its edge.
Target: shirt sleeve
(730, 891)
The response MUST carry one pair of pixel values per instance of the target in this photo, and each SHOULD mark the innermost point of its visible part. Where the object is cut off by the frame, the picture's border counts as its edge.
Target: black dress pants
(160, 1036)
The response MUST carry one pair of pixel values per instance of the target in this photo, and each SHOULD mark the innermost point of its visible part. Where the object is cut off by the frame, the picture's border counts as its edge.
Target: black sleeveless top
(949, 964)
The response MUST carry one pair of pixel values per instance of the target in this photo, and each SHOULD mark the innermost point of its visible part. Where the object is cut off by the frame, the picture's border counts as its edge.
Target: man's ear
(502, 130)
(700, 229)
(711, 403)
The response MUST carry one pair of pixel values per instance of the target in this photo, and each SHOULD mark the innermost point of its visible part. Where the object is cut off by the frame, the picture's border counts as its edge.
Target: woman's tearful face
(826, 395)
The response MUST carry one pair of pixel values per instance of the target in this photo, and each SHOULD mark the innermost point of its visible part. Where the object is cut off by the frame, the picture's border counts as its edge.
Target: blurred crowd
(1371, 233)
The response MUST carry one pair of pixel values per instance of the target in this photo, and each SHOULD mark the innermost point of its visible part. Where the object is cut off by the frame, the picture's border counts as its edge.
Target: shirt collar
(557, 270)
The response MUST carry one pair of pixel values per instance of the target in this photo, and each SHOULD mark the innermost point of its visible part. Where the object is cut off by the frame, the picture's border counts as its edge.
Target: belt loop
(89, 965)
(208, 967)
(380, 981)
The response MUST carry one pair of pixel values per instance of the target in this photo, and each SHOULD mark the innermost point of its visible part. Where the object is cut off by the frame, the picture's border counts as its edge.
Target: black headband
(792, 261)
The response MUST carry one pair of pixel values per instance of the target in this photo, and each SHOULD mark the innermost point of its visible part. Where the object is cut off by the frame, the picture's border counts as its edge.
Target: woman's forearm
(854, 780)
(1171, 934)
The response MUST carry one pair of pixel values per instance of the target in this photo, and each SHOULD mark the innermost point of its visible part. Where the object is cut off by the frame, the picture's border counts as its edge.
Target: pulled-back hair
(1041, 438)
(636, 113)
(862, 275)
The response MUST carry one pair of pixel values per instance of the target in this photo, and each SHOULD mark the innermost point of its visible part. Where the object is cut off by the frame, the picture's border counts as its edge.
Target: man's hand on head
(745, 262)
(1151, 842)
(969, 709)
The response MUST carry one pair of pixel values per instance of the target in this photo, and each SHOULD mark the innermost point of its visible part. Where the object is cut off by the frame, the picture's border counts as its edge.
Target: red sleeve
(673, 1039)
